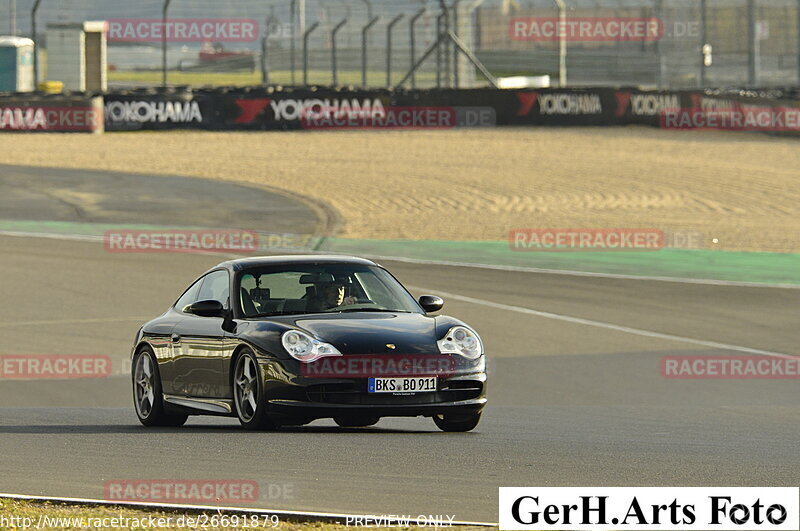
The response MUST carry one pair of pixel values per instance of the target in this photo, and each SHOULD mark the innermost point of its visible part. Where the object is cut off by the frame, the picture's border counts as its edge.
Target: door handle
(176, 338)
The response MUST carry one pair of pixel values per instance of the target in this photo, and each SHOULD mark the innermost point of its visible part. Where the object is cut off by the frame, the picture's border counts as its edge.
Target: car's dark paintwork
(196, 357)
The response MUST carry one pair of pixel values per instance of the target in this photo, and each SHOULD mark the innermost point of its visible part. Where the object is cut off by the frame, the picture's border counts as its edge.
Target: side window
(190, 296)
(216, 286)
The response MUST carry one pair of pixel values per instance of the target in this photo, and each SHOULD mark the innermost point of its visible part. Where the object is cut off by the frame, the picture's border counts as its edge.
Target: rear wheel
(148, 398)
(457, 423)
(356, 422)
(248, 393)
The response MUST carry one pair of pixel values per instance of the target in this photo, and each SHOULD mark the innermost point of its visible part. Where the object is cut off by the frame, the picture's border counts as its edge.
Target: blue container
(16, 64)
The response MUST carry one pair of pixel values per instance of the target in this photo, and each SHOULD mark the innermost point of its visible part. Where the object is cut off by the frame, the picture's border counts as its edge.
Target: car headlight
(461, 340)
(303, 347)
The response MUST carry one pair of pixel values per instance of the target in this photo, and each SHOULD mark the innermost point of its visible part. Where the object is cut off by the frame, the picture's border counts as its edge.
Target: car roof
(257, 261)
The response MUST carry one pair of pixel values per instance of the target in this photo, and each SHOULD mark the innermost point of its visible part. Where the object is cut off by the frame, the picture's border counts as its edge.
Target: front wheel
(457, 423)
(147, 395)
(248, 393)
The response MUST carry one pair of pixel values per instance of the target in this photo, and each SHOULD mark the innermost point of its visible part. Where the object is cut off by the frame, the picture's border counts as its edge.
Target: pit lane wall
(273, 108)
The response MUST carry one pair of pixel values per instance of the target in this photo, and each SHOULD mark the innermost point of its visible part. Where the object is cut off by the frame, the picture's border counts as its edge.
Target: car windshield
(321, 288)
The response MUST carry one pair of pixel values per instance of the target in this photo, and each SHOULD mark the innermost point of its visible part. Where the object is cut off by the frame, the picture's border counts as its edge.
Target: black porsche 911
(304, 338)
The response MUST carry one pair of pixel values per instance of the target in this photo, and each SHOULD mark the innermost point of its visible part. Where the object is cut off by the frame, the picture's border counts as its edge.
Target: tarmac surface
(576, 394)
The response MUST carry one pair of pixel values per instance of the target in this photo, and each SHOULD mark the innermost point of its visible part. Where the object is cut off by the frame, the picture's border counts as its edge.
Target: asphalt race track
(576, 394)
(122, 198)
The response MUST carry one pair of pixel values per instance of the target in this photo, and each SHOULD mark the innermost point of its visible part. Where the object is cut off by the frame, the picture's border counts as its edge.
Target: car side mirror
(431, 303)
(208, 308)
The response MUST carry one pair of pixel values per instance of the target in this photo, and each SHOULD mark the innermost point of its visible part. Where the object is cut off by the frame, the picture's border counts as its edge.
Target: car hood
(372, 333)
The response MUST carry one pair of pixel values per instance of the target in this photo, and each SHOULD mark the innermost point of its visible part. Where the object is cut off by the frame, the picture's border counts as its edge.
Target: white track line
(548, 315)
(173, 506)
(566, 272)
(521, 269)
(52, 236)
(608, 326)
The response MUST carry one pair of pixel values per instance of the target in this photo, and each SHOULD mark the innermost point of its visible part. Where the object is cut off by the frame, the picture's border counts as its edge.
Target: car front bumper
(294, 398)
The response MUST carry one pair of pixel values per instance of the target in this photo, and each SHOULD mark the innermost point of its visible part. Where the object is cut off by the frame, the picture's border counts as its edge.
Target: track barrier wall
(271, 108)
(31, 113)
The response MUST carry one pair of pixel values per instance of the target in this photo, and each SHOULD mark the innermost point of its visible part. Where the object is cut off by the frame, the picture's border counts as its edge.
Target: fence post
(413, 44)
(433, 47)
(369, 8)
(35, 45)
(798, 41)
(753, 44)
(264, 60)
(703, 41)
(439, 33)
(389, 28)
(12, 17)
(455, 48)
(562, 44)
(292, 38)
(336, 29)
(659, 14)
(364, 32)
(164, 10)
(472, 58)
(306, 35)
(446, 30)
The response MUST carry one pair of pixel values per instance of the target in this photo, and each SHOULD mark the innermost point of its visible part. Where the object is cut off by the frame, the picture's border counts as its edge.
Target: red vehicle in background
(213, 56)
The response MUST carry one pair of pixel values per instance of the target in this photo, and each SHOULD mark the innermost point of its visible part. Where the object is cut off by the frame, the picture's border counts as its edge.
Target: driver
(330, 295)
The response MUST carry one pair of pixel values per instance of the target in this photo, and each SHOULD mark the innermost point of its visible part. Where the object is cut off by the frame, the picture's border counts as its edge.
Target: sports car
(285, 340)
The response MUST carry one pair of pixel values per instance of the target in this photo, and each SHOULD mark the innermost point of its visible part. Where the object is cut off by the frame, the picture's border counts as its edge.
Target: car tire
(148, 398)
(356, 422)
(248, 393)
(457, 423)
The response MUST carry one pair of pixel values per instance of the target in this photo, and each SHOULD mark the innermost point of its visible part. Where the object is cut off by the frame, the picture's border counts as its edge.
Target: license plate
(402, 385)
